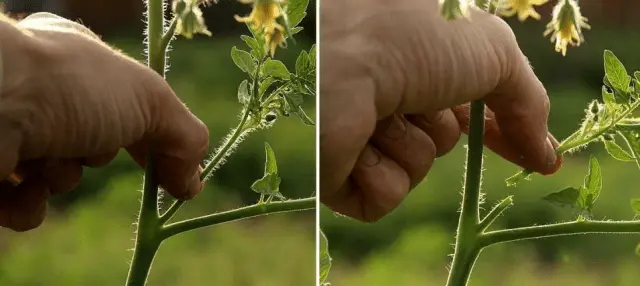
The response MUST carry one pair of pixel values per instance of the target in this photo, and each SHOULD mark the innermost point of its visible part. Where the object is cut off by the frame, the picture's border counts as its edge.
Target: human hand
(68, 100)
(396, 79)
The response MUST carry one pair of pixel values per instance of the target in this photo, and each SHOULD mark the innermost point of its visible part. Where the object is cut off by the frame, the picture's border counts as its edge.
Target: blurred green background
(88, 235)
(411, 245)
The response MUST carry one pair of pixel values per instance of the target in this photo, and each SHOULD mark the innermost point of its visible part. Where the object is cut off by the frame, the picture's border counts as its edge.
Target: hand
(396, 79)
(67, 101)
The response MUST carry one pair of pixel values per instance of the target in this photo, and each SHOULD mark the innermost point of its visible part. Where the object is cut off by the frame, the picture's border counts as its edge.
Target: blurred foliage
(87, 237)
(411, 246)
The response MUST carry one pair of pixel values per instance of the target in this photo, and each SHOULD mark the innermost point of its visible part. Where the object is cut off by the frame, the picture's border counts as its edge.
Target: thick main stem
(147, 238)
(467, 248)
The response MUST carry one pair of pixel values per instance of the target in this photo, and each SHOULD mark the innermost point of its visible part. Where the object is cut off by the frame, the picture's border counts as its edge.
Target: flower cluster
(565, 27)
(266, 17)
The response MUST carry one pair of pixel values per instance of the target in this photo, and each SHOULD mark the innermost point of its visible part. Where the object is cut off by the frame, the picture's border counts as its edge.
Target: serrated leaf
(276, 69)
(616, 72)
(617, 152)
(325, 258)
(566, 197)
(243, 60)
(271, 167)
(296, 11)
(635, 206)
(243, 92)
(312, 54)
(304, 117)
(593, 180)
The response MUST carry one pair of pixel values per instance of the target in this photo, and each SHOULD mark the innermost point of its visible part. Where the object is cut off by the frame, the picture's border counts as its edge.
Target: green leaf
(276, 69)
(616, 72)
(294, 99)
(593, 180)
(325, 258)
(312, 55)
(304, 117)
(251, 42)
(633, 141)
(617, 152)
(302, 63)
(608, 98)
(243, 60)
(296, 30)
(243, 92)
(265, 84)
(636, 74)
(271, 167)
(635, 205)
(267, 185)
(638, 249)
(566, 197)
(518, 177)
(296, 11)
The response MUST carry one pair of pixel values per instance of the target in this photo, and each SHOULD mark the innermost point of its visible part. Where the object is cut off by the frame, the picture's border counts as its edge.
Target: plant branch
(560, 229)
(171, 211)
(466, 248)
(495, 213)
(238, 214)
(168, 35)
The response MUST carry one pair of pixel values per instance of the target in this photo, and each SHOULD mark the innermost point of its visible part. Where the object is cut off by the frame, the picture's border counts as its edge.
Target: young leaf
(243, 60)
(257, 51)
(302, 63)
(585, 200)
(635, 205)
(276, 69)
(636, 74)
(608, 98)
(296, 11)
(633, 141)
(616, 72)
(312, 55)
(617, 152)
(243, 92)
(294, 99)
(593, 180)
(518, 177)
(566, 197)
(269, 184)
(325, 258)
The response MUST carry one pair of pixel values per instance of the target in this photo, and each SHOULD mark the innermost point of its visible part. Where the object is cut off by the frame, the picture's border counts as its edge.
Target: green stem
(238, 214)
(467, 249)
(147, 239)
(560, 229)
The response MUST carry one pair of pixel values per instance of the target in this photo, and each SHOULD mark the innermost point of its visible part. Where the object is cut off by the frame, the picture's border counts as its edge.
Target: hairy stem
(495, 213)
(560, 229)
(147, 239)
(466, 248)
(237, 214)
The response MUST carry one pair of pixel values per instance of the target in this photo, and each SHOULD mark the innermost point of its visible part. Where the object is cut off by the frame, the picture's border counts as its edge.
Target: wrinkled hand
(67, 101)
(396, 80)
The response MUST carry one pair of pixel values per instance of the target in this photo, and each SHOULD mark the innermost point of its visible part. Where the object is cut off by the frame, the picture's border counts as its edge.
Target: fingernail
(397, 128)
(370, 157)
(551, 157)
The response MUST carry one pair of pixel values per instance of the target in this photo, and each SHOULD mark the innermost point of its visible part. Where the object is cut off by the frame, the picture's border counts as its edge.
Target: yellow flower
(566, 26)
(264, 17)
(275, 39)
(524, 8)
